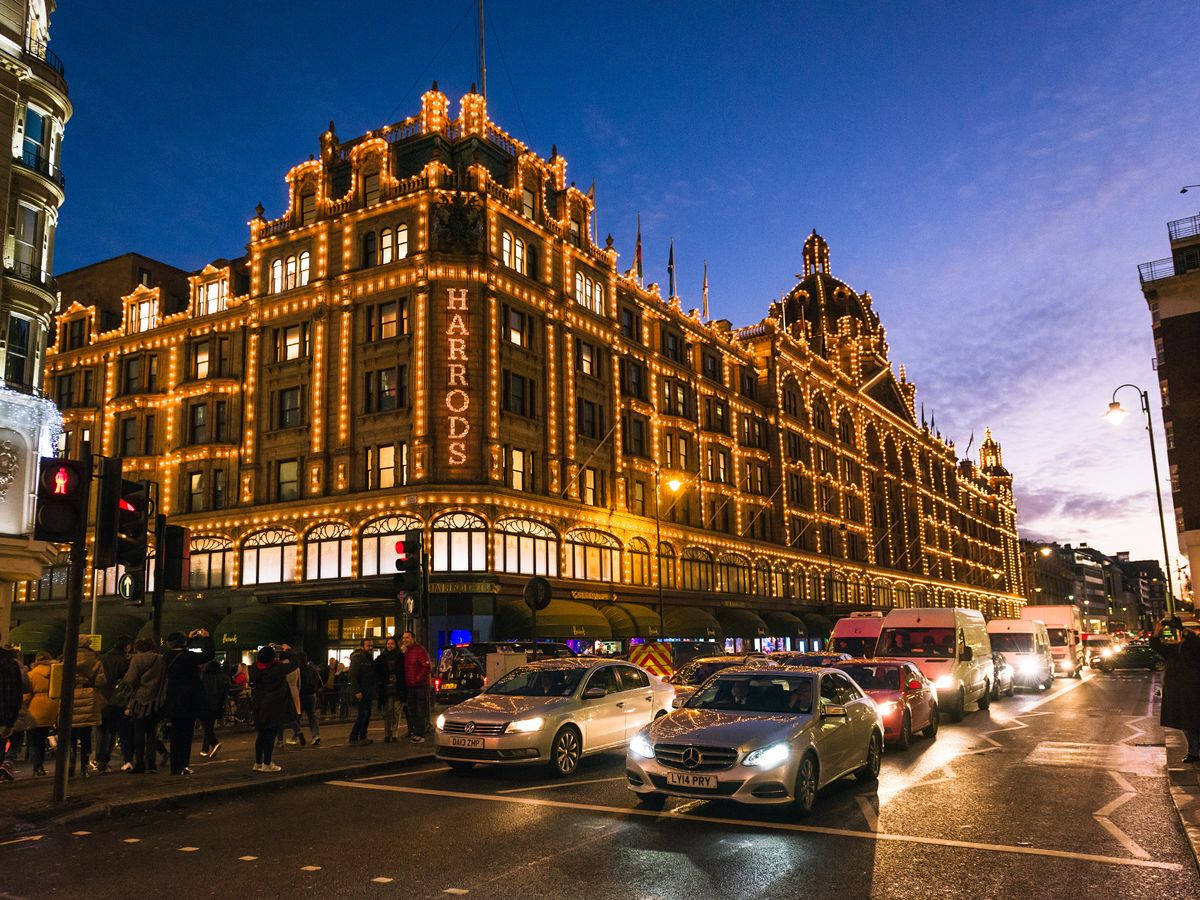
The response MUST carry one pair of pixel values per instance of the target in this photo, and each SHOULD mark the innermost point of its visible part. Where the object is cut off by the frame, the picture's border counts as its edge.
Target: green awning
(741, 623)
(252, 626)
(183, 619)
(111, 625)
(40, 634)
(818, 625)
(783, 624)
(630, 620)
(561, 619)
(691, 622)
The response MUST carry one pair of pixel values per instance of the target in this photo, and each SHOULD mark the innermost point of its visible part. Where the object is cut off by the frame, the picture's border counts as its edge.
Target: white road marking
(310, 868)
(247, 858)
(133, 840)
(1113, 805)
(868, 812)
(1126, 841)
(23, 840)
(1122, 783)
(80, 833)
(559, 784)
(382, 879)
(406, 774)
(774, 826)
(1102, 816)
(456, 891)
(1137, 732)
(948, 774)
(188, 849)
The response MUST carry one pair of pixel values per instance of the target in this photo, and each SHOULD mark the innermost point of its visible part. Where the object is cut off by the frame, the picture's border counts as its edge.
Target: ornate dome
(820, 300)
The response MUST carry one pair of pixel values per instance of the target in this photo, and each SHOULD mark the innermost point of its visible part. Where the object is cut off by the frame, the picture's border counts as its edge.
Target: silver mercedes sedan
(759, 736)
(554, 711)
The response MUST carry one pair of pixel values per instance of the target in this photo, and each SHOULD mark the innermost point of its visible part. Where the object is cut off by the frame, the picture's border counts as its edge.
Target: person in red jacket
(417, 670)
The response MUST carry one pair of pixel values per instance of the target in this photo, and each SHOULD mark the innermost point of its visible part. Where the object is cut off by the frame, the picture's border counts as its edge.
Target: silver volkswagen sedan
(554, 711)
(759, 736)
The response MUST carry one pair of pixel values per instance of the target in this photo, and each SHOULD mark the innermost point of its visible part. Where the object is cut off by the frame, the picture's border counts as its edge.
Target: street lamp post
(673, 484)
(1116, 415)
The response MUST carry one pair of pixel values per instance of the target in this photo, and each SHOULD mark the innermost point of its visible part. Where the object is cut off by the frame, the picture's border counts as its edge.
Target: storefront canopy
(629, 620)
(741, 623)
(46, 634)
(561, 619)
(818, 625)
(112, 625)
(184, 619)
(783, 624)
(253, 626)
(691, 622)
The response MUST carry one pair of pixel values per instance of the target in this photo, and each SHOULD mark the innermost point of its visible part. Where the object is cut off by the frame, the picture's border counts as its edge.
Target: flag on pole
(704, 291)
(671, 270)
(637, 250)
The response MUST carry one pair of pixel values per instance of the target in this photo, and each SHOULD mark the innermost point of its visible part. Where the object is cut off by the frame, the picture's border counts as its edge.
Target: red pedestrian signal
(62, 500)
(62, 480)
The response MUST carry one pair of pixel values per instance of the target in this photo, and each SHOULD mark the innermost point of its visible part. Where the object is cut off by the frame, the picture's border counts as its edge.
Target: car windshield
(1012, 643)
(855, 646)
(528, 681)
(808, 659)
(929, 642)
(697, 672)
(1099, 642)
(765, 693)
(1058, 637)
(874, 678)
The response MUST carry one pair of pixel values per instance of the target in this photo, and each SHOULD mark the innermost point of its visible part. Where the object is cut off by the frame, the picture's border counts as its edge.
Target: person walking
(114, 723)
(389, 677)
(185, 692)
(1181, 682)
(145, 686)
(308, 685)
(42, 710)
(417, 669)
(329, 687)
(12, 697)
(85, 709)
(214, 692)
(271, 701)
(363, 688)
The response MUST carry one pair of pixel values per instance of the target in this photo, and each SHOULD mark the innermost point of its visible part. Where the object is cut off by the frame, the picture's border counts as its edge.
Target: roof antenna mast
(482, 63)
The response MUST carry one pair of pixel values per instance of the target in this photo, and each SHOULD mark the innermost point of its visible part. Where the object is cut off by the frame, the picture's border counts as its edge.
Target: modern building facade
(1172, 290)
(34, 109)
(430, 337)
(1113, 593)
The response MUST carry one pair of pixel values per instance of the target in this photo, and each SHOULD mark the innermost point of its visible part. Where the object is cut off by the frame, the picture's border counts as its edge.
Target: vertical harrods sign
(458, 398)
(456, 385)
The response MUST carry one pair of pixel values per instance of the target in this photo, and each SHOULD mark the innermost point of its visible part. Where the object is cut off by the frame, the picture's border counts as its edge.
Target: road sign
(125, 586)
(537, 593)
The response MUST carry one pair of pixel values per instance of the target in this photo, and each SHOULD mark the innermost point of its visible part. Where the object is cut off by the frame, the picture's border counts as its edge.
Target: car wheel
(565, 752)
(996, 690)
(804, 797)
(457, 765)
(985, 699)
(869, 773)
(959, 707)
(651, 801)
(931, 729)
(905, 740)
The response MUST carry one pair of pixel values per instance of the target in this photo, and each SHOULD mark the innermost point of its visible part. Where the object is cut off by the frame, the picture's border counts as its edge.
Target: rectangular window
(64, 391)
(748, 381)
(585, 358)
(16, 361)
(144, 313)
(308, 208)
(131, 375)
(200, 361)
(520, 395)
(198, 423)
(381, 466)
(292, 342)
(633, 379)
(89, 387)
(218, 481)
(591, 486)
(221, 421)
(633, 435)
(370, 188)
(711, 367)
(27, 244)
(382, 321)
(75, 334)
(518, 327)
(128, 432)
(520, 469)
(637, 498)
(152, 372)
(527, 203)
(148, 436)
(289, 408)
(287, 479)
(589, 418)
(631, 324)
(195, 491)
(576, 231)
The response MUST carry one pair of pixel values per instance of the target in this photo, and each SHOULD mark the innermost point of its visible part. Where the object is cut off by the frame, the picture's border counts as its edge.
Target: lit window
(526, 547)
(210, 563)
(401, 241)
(200, 360)
(386, 246)
(276, 276)
(519, 255)
(506, 248)
(305, 267)
(289, 273)
(459, 543)
(327, 552)
(144, 314)
(592, 556)
(196, 492)
(520, 469)
(527, 203)
(287, 480)
(377, 549)
(269, 557)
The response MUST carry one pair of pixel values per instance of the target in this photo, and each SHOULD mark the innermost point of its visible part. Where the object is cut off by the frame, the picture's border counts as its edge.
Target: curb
(66, 816)
(1184, 783)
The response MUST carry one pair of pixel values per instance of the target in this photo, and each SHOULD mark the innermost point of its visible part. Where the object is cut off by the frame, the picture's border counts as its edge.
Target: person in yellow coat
(42, 709)
(85, 712)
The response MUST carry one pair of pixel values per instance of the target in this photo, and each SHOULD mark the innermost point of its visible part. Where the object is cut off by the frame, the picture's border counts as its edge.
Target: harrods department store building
(429, 337)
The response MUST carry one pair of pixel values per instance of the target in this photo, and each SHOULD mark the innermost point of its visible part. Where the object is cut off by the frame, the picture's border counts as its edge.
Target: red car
(906, 700)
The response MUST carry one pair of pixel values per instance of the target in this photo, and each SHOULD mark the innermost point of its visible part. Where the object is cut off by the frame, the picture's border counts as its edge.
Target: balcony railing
(39, 163)
(1156, 270)
(40, 53)
(1184, 228)
(32, 274)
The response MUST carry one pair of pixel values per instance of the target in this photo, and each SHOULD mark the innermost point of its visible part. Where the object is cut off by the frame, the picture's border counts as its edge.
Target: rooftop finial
(816, 254)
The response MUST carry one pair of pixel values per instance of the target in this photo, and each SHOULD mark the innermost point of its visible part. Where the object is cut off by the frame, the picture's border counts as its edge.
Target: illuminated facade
(430, 337)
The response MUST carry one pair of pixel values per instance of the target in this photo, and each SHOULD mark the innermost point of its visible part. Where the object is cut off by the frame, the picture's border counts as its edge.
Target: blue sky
(992, 173)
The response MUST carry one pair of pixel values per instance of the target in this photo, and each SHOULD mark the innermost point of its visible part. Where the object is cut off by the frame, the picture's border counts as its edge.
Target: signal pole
(160, 568)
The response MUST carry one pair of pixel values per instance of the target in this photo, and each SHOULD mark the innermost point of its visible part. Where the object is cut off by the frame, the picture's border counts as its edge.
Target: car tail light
(437, 684)
(485, 681)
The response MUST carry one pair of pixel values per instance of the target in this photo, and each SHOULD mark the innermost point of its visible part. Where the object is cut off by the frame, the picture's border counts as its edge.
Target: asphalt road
(1055, 794)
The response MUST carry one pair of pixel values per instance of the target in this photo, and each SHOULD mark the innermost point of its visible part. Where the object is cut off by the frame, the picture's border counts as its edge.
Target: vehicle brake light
(437, 684)
(485, 681)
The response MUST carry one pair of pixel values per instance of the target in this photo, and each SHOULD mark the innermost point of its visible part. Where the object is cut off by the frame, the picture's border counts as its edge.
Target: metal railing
(1184, 228)
(37, 162)
(38, 50)
(32, 274)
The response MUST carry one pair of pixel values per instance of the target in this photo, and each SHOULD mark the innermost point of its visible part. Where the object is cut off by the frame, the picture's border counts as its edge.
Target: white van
(1065, 627)
(856, 634)
(1025, 645)
(950, 646)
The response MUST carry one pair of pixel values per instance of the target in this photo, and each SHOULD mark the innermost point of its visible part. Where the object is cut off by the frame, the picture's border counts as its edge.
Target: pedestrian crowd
(146, 702)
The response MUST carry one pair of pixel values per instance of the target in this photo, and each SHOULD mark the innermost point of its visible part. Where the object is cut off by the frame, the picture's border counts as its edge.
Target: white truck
(1065, 627)
(857, 633)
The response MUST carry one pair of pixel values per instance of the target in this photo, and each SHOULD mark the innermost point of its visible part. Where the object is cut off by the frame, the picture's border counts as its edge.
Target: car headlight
(1029, 667)
(887, 707)
(440, 723)
(1106, 652)
(768, 757)
(640, 746)
(945, 682)
(524, 726)
(1066, 665)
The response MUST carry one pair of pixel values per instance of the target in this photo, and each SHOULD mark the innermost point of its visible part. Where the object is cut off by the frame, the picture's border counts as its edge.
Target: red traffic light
(126, 505)
(62, 478)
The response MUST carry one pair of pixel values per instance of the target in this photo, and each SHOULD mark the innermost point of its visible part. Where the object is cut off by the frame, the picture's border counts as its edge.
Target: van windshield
(929, 642)
(1012, 643)
(875, 678)
(855, 646)
(1058, 637)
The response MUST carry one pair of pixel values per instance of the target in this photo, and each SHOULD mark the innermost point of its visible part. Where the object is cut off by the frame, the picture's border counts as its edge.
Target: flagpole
(704, 292)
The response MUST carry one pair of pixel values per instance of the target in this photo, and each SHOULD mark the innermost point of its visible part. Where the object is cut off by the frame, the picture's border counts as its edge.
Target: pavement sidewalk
(1184, 783)
(26, 802)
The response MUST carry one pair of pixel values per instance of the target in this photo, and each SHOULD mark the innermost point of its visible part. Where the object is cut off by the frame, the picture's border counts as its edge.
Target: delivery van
(1065, 627)
(950, 646)
(1025, 645)
(856, 634)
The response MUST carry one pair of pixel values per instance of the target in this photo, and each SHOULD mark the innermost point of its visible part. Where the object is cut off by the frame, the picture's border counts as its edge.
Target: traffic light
(105, 555)
(176, 557)
(410, 566)
(133, 516)
(62, 500)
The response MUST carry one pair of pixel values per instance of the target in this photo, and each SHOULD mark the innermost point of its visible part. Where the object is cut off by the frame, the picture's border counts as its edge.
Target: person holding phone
(1180, 679)
(185, 692)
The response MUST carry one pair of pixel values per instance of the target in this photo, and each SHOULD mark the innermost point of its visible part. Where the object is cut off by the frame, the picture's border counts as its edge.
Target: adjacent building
(34, 109)
(431, 337)
(1113, 593)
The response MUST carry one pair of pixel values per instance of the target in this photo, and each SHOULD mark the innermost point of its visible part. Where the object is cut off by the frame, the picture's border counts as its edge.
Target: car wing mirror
(595, 693)
(833, 712)
(677, 702)
(967, 654)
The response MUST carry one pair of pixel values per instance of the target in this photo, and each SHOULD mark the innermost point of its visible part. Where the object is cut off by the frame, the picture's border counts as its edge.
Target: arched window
(910, 471)
(697, 567)
(639, 562)
(800, 585)
(820, 414)
(269, 557)
(276, 276)
(874, 451)
(891, 457)
(519, 255)
(666, 562)
(846, 429)
(883, 593)
(327, 552)
(377, 548)
(839, 588)
(305, 267)
(579, 289)
(210, 564)
(598, 299)
(762, 575)
(526, 547)
(506, 248)
(592, 555)
(459, 543)
(531, 267)
(401, 241)
(733, 572)
(368, 249)
(289, 273)
(385, 246)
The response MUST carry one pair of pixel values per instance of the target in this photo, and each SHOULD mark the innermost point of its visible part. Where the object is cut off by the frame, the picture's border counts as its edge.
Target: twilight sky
(992, 173)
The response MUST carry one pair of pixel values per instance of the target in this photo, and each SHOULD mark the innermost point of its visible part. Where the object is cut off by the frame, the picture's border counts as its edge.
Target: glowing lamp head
(1045, 551)
(1116, 413)
(674, 484)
